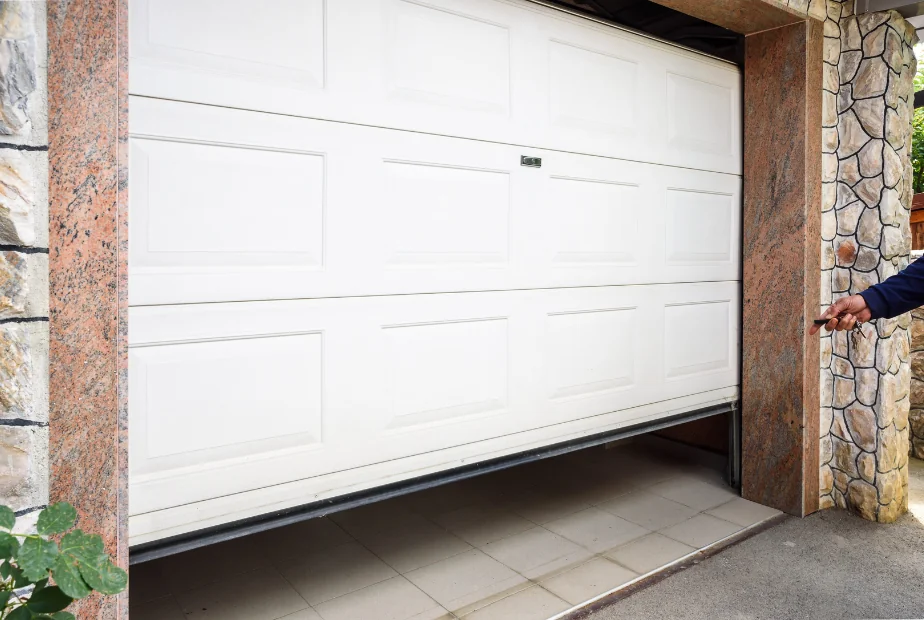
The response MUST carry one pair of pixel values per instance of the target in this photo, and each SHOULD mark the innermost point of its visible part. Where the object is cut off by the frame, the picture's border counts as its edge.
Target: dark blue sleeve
(900, 293)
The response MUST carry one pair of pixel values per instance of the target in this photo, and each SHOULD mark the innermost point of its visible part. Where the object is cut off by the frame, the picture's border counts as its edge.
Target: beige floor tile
(158, 609)
(300, 539)
(599, 487)
(588, 580)
(480, 524)
(393, 599)
(532, 549)
(596, 530)
(199, 567)
(743, 512)
(260, 595)
(326, 575)
(543, 505)
(533, 603)
(651, 511)
(373, 517)
(305, 614)
(465, 579)
(693, 492)
(443, 499)
(649, 553)
(701, 530)
(409, 549)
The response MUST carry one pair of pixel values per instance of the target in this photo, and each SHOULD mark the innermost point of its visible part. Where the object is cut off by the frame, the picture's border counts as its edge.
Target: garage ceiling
(665, 23)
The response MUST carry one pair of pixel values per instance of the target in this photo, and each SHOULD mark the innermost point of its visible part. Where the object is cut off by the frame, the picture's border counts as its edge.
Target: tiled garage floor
(529, 542)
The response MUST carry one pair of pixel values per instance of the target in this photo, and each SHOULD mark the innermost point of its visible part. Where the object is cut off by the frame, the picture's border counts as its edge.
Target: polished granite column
(781, 232)
(87, 135)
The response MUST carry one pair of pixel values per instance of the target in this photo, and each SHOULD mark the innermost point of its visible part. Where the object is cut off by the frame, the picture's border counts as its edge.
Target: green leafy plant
(59, 571)
(917, 130)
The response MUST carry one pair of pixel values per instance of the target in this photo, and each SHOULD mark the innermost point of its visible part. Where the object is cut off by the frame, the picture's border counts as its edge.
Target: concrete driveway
(830, 565)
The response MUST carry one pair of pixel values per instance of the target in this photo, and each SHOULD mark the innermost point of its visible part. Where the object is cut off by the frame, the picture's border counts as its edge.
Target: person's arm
(899, 294)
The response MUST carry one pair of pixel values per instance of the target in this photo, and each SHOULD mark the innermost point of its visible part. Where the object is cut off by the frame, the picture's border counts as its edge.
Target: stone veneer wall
(865, 382)
(916, 416)
(23, 258)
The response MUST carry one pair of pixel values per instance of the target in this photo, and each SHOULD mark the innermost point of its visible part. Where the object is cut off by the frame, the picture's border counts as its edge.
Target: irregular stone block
(17, 199)
(866, 465)
(826, 480)
(24, 371)
(871, 79)
(826, 388)
(862, 280)
(894, 242)
(893, 52)
(842, 368)
(23, 466)
(874, 42)
(828, 225)
(851, 39)
(852, 135)
(867, 259)
(861, 422)
(863, 499)
(897, 130)
(848, 65)
(843, 392)
(869, 190)
(867, 385)
(869, 229)
(17, 66)
(890, 445)
(14, 283)
(862, 350)
(826, 449)
(890, 486)
(871, 113)
(826, 420)
(849, 170)
(870, 21)
(828, 196)
(841, 282)
(890, 206)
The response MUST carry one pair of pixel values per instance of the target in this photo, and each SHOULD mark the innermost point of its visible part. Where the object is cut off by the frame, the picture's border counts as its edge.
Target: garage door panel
(306, 388)
(232, 205)
(509, 72)
(195, 206)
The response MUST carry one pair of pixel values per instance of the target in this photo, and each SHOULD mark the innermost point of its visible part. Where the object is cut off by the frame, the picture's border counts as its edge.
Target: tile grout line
(567, 613)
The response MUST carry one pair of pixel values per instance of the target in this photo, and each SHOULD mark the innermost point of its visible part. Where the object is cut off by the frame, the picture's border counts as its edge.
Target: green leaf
(20, 613)
(56, 519)
(103, 576)
(68, 577)
(40, 584)
(48, 600)
(19, 578)
(36, 556)
(5, 597)
(82, 547)
(63, 615)
(5, 570)
(7, 518)
(9, 547)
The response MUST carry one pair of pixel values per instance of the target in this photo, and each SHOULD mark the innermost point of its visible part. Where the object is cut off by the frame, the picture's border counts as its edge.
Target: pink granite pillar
(87, 135)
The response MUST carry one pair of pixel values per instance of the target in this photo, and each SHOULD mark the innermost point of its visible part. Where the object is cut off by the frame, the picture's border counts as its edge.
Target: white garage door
(342, 276)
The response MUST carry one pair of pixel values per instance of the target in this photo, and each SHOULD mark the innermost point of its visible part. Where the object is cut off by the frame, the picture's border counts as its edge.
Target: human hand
(844, 314)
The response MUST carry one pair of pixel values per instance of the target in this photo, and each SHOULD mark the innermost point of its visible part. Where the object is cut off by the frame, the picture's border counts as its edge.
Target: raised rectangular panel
(445, 371)
(443, 215)
(204, 204)
(699, 115)
(281, 40)
(205, 395)
(592, 90)
(446, 58)
(594, 222)
(699, 226)
(591, 352)
(696, 338)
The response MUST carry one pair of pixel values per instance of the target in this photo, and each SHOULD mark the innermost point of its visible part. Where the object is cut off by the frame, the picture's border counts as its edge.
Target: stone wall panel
(876, 65)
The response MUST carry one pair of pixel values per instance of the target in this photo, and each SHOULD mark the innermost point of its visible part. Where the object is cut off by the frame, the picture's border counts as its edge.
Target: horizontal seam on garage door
(498, 290)
(384, 128)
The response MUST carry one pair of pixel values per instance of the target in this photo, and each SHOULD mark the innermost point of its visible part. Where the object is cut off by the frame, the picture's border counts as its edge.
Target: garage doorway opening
(533, 541)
